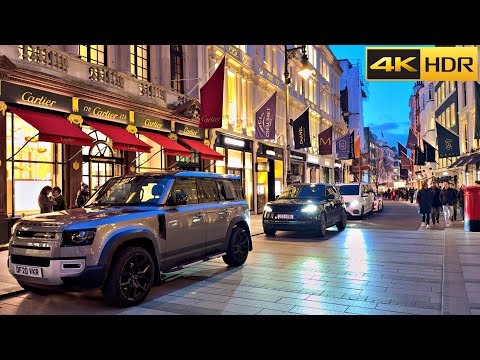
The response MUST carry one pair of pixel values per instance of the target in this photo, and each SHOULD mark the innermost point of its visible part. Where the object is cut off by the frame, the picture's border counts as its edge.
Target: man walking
(424, 199)
(436, 203)
(447, 198)
(411, 192)
(455, 202)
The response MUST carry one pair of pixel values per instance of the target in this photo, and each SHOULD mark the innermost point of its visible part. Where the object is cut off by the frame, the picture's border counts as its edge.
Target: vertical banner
(401, 149)
(448, 142)
(412, 140)
(342, 147)
(404, 161)
(325, 141)
(301, 131)
(211, 97)
(357, 148)
(351, 148)
(429, 151)
(265, 119)
(419, 156)
(476, 135)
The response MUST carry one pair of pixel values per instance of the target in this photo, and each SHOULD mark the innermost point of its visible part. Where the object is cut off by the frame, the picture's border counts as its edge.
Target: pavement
(371, 270)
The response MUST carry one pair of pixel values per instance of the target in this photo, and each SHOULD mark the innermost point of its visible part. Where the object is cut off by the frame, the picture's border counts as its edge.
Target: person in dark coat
(44, 201)
(411, 192)
(59, 201)
(448, 198)
(436, 203)
(461, 201)
(83, 195)
(424, 199)
(455, 203)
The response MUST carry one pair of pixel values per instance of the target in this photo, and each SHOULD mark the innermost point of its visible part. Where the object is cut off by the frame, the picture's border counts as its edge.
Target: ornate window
(176, 65)
(139, 61)
(95, 54)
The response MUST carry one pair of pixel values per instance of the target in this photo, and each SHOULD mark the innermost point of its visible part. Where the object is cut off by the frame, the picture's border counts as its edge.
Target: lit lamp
(304, 73)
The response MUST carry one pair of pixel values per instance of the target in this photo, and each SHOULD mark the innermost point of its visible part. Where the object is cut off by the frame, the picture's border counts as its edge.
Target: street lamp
(304, 73)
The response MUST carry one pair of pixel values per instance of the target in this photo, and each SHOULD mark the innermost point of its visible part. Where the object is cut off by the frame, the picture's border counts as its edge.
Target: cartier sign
(100, 111)
(190, 131)
(17, 94)
(152, 122)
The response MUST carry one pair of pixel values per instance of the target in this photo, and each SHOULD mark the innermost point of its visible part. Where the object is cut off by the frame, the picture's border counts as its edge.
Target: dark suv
(133, 229)
(305, 207)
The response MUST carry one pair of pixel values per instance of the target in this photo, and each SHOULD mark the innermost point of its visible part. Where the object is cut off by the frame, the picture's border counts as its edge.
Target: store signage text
(234, 142)
(312, 159)
(270, 152)
(100, 111)
(193, 131)
(297, 157)
(152, 122)
(17, 94)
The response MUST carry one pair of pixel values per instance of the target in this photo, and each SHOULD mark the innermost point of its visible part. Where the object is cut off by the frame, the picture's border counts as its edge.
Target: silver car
(132, 230)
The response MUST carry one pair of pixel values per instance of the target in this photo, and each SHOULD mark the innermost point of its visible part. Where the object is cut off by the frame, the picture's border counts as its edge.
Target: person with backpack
(82, 195)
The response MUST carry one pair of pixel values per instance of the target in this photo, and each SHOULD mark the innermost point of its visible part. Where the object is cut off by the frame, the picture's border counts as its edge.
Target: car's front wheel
(238, 247)
(322, 226)
(342, 224)
(130, 278)
(269, 232)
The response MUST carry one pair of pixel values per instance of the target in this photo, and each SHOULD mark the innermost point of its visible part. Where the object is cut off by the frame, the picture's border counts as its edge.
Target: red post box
(471, 209)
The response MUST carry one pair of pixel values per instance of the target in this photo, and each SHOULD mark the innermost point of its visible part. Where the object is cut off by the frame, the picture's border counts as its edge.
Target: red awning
(121, 138)
(53, 128)
(170, 147)
(207, 153)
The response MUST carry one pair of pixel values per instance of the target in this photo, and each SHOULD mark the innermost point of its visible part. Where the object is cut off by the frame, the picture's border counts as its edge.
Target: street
(384, 264)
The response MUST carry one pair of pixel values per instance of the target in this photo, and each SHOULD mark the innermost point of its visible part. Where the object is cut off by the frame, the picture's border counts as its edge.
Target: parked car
(305, 207)
(133, 229)
(377, 203)
(358, 198)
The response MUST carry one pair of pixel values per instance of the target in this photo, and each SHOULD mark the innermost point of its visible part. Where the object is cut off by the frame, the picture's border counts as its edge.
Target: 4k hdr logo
(435, 63)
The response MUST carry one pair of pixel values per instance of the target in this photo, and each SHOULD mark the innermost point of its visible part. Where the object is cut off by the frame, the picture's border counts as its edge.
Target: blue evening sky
(386, 108)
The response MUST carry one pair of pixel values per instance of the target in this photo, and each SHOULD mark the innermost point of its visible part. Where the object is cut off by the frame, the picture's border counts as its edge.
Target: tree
(378, 169)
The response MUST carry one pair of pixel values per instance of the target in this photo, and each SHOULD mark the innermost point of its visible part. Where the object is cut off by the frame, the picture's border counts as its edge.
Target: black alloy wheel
(342, 224)
(322, 226)
(269, 232)
(238, 247)
(131, 277)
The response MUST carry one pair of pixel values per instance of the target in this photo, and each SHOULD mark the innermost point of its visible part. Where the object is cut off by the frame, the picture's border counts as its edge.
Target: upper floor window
(176, 64)
(139, 61)
(95, 54)
(242, 47)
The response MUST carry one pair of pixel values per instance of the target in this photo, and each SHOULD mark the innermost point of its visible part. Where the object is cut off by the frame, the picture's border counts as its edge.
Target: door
(216, 215)
(185, 225)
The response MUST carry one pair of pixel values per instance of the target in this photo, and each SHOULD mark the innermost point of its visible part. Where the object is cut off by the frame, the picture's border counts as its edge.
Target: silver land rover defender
(132, 230)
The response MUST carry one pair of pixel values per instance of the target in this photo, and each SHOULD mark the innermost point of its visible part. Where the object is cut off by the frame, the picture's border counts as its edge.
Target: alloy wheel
(135, 277)
(240, 245)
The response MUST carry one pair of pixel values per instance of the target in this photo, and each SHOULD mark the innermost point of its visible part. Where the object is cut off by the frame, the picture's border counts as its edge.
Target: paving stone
(275, 312)
(314, 311)
(407, 309)
(261, 304)
(313, 304)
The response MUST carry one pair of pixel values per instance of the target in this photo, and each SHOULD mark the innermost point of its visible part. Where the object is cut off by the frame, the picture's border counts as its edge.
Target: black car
(305, 207)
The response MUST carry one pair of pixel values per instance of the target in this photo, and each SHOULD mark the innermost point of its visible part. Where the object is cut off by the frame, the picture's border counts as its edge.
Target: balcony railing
(47, 57)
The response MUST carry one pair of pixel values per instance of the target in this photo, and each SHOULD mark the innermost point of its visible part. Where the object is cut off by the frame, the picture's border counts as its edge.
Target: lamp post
(305, 73)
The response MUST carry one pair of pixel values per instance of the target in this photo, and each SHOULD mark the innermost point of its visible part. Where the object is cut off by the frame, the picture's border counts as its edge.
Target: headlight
(78, 237)
(354, 203)
(310, 208)
(267, 208)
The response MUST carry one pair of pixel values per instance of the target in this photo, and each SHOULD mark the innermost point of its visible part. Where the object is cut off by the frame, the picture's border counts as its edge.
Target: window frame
(176, 78)
(88, 57)
(136, 56)
(200, 191)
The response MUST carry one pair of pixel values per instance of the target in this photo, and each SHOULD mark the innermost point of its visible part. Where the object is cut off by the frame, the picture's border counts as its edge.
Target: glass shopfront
(30, 166)
(327, 174)
(313, 169)
(238, 161)
(269, 168)
(298, 162)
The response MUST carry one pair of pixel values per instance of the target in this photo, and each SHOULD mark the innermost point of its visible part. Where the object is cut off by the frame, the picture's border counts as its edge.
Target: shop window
(176, 68)
(220, 164)
(140, 61)
(150, 161)
(95, 54)
(234, 159)
(208, 190)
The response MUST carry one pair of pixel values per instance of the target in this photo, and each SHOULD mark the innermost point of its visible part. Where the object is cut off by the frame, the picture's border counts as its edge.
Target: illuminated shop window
(95, 54)
(139, 61)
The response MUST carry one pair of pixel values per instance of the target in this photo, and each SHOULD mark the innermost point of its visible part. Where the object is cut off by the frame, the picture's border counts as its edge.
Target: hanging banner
(448, 142)
(351, 152)
(419, 156)
(265, 119)
(325, 141)
(342, 146)
(401, 149)
(211, 97)
(357, 148)
(412, 140)
(429, 152)
(301, 131)
(477, 111)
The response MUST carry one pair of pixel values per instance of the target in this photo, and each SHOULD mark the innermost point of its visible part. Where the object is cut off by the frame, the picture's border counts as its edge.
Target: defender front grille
(35, 235)
(29, 260)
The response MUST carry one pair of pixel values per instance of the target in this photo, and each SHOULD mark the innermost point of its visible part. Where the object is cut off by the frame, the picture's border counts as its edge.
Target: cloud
(389, 126)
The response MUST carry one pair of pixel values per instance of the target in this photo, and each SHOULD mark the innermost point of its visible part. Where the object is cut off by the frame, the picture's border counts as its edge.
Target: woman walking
(44, 202)
(424, 199)
(60, 203)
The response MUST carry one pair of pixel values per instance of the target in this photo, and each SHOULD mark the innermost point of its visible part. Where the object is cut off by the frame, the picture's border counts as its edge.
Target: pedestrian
(424, 200)
(411, 192)
(44, 201)
(436, 203)
(461, 202)
(60, 203)
(455, 203)
(82, 195)
(447, 198)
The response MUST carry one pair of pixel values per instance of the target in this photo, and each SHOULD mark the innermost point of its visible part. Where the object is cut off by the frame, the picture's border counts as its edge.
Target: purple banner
(343, 147)
(265, 119)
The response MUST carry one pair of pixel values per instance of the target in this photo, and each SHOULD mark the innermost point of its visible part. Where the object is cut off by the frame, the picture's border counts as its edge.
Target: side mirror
(330, 197)
(181, 198)
(276, 197)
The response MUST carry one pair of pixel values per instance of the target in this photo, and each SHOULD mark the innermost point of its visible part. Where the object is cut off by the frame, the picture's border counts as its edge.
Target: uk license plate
(32, 271)
(285, 216)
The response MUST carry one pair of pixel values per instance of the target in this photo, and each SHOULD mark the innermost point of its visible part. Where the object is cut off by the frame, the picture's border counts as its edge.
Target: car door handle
(224, 211)
(198, 217)
(173, 222)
